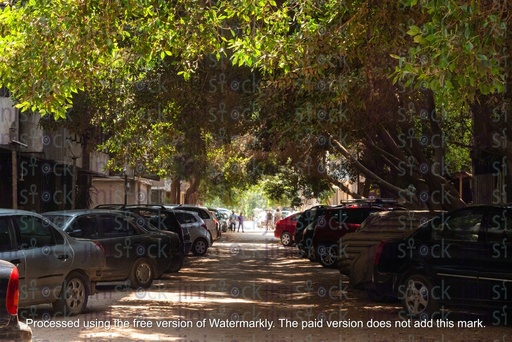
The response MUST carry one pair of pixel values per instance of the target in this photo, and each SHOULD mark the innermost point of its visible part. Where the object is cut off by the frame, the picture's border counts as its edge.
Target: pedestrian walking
(269, 220)
(278, 216)
(240, 222)
(232, 221)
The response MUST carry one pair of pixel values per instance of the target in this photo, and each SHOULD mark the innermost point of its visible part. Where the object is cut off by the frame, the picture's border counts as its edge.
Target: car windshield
(59, 220)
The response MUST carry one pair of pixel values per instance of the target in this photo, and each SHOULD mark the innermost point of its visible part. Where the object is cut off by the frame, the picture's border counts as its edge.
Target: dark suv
(462, 258)
(163, 219)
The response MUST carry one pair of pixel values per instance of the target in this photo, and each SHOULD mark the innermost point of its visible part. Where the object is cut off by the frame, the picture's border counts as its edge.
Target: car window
(185, 218)
(84, 227)
(203, 214)
(500, 226)
(5, 237)
(36, 233)
(461, 226)
(116, 226)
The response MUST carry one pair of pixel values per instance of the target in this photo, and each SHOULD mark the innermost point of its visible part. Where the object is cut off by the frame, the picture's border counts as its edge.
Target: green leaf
(413, 30)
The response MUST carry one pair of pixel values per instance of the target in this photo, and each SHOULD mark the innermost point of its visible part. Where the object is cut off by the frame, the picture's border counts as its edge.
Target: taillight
(204, 226)
(378, 253)
(13, 292)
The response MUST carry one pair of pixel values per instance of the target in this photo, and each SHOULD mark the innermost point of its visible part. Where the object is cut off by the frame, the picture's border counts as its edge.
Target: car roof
(4, 211)
(77, 212)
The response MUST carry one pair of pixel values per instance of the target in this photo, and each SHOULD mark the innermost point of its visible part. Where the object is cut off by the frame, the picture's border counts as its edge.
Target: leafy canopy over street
(225, 93)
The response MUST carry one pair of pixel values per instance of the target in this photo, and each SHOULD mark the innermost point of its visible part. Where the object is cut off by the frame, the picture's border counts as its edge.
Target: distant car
(53, 267)
(132, 251)
(285, 228)
(460, 259)
(11, 329)
(356, 251)
(204, 214)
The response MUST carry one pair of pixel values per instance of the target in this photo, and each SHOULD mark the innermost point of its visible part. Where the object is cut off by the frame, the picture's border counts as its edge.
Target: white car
(197, 229)
(204, 214)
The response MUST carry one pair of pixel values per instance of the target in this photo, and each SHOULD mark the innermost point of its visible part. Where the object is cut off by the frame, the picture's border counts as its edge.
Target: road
(247, 288)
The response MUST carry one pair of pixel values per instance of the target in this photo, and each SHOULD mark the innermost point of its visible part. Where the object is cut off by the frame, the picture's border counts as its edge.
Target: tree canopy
(227, 91)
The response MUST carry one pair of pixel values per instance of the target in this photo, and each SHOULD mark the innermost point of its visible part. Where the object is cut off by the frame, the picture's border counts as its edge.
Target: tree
(383, 89)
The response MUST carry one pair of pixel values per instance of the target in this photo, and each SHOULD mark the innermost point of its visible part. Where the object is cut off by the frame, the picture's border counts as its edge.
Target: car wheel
(199, 247)
(418, 300)
(73, 296)
(176, 264)
(286, 239)
(327, 256)
(141, 274)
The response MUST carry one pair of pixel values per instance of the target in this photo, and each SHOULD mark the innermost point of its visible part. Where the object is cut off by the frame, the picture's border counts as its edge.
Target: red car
(333, 225)
(285, 228)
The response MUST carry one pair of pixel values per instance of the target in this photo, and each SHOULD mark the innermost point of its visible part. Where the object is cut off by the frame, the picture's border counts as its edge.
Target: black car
(11, 329)
(462, 258)
(134, 250)
(165, 220)
(158, 216)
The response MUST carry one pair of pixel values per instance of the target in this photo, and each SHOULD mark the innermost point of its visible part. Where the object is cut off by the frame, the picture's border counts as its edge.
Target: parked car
(306, 222)
(356, 251)
(53, 267)
(285, 228)
(460, 259)
(164, 220)
(335, 223)
(132, 250)
(204, 214)
(196, 227)
(11, 329)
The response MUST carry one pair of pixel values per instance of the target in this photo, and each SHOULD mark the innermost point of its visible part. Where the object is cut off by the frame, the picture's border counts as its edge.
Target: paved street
(247, 288)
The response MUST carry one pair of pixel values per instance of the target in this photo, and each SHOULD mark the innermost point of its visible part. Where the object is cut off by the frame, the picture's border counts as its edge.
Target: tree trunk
(192, 193)
(175, 190)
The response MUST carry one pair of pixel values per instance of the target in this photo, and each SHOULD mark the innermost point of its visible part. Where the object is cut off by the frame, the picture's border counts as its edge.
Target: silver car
(197, 229)
(54, 268)
(204, 214)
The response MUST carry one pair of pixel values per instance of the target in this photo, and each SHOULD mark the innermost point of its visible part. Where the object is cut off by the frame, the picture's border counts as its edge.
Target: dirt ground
(250, 288)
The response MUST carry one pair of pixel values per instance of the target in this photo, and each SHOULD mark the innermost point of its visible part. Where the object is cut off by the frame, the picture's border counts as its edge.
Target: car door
(126, 243)
(48, 257)
(495, 275)
(455, 253)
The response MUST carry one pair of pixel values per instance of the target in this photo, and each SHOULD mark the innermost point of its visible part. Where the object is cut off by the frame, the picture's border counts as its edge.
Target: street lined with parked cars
(429, 262)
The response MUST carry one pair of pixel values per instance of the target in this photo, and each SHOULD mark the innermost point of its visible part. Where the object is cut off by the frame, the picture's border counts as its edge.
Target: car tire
(418, 300)
(141, 274)
(326, 256)
(199, 247)
(286, 239)
(176, 264)
(73, 295)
